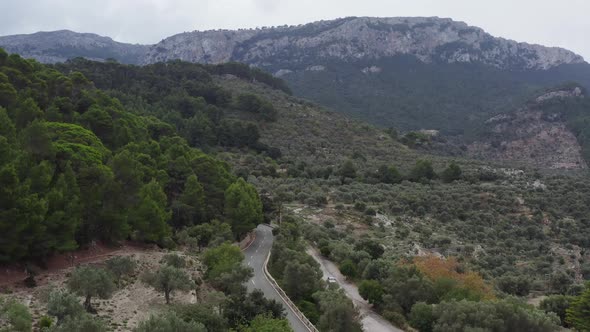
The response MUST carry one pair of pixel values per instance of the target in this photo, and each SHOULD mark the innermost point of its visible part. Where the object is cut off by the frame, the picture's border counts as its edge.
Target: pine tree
(243, 208)
(188, 210)
(578, 314)
(150, 218)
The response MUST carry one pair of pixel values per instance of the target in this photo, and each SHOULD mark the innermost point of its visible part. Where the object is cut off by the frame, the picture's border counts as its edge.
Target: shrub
(557, 304)
(174, 260)
(422, 317)
(14, 316)
(169, 322)
(348, 268)
(45, 322)
(372, 291)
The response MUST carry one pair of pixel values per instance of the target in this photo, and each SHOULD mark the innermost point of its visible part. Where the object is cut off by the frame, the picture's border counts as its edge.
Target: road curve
(255, 257)
(370, 320)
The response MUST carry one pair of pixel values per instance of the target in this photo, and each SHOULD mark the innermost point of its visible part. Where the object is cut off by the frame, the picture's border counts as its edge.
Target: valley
(214, 181)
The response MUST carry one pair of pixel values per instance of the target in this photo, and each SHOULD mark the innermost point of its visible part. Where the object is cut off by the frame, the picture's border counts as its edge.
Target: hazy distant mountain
(58, 46)
(428, 39)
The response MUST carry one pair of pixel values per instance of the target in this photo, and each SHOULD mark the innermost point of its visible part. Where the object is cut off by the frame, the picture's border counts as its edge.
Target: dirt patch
(132, 303)
(13, 275)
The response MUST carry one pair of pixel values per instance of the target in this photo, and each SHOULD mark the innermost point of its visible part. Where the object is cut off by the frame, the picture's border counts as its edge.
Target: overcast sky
(548, 22)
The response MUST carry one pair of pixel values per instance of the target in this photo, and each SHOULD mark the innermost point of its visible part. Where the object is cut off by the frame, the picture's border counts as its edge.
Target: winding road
(256, 255)
(371, 321)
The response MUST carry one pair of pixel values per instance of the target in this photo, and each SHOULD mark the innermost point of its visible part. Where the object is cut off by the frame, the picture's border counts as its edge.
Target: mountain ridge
(428, 38)
(344, 38)
(61, 45)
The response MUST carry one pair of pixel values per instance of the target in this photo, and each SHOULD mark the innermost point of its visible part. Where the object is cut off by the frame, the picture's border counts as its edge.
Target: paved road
(371, 321)
(255, 257)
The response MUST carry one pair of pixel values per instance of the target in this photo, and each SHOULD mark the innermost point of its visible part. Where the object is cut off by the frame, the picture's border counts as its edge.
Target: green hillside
(111, 152)
(78, 165)
(408, 94)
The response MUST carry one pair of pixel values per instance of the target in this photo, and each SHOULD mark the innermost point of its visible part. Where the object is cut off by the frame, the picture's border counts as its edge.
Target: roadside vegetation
(326, 306)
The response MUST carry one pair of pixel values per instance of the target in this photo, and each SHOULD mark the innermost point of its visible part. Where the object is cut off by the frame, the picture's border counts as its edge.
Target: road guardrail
(286, 298)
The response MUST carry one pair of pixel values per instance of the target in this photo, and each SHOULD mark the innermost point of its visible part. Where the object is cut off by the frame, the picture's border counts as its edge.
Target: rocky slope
(429, 39)
(59, 46)
(533, 136)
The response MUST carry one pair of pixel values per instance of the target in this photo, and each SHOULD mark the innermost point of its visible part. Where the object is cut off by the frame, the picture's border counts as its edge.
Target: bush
(370, 212)
(506, 315)
(560, 282)
(310, 310)
(169, 323)
(360, 206)
(514, 285)
(45, 322)
(422, 171)
(395, 318)
(557, 304)
(84, 322)
(348, 268)
(174, 260)
(14, 316)
(422, 317)
(451, 173)
(372, 291)
(205, 314)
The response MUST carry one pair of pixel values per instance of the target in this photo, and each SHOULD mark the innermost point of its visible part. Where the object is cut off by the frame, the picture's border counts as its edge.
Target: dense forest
(78, 165)
(185, 96)
(407, 94)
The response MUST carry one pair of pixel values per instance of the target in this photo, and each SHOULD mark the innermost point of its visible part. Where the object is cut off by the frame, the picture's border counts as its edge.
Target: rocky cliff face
(59, 46)
(429, 39)
(533, 137)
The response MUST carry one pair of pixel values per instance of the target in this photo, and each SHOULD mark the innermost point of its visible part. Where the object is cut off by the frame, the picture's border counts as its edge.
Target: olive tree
(62, 304)
(89, 282)
(168, 279)
(121, 266)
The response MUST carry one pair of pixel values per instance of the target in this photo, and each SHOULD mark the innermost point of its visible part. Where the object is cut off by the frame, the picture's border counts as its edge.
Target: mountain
(407, 73)
(59, 46)
(428, 39)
